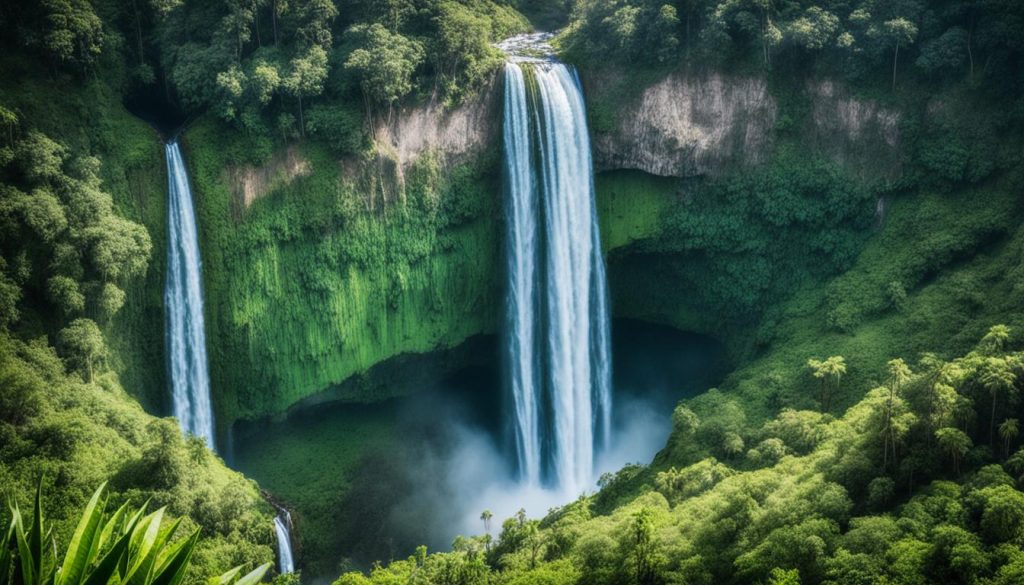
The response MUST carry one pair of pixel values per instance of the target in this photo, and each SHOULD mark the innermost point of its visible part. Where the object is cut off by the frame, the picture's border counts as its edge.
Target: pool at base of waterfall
(367, 482)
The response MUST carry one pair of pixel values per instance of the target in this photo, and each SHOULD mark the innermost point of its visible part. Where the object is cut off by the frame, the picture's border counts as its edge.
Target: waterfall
(282, 526)
(183, 298)
(557, 316)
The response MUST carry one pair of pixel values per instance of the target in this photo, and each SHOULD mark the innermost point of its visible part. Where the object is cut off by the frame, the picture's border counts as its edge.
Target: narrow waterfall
(282, 528)
(557, 316)
(183, 298)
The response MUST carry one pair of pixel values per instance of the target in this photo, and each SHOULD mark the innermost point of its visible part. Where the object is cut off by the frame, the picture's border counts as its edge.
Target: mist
(459, 463)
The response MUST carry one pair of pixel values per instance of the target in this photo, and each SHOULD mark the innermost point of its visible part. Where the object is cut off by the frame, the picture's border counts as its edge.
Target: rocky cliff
(690, 124)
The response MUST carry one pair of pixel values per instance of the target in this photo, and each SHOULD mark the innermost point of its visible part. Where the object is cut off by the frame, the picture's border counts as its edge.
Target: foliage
(384, 63)
(837, 513)
(82, 432)
(750, 237)
(254, 62)
(373, 264)
(946, 39)
(126, 546)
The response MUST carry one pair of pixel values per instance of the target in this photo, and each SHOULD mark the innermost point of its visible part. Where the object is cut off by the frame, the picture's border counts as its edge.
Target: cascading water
(285, 563)
(183, 298)
(557, 320)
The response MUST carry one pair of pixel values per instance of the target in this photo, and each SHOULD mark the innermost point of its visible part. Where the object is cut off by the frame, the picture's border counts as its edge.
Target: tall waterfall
(285, 563)
(557, 316)
(183, 298)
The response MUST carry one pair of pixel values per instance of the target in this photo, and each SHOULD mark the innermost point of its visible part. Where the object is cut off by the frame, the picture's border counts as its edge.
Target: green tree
(664, 36)
(1008, 431)
(784, 577)
(995, 339)
(644, 557)
(944, 54)
(73, 33)
(384, 63)
(815, 30)
(64, 292)
(899, 374)
(1002, 517)
(955, 443)
(83, 347)
(895, 33)
(999, 379)
(315, 18)
(829, 373)
(463, 56)
(306, 78)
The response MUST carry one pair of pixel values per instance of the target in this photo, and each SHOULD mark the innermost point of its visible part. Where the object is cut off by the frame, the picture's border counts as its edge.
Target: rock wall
(249, 183)
(457, 133)
(689, 125)
(859, 134)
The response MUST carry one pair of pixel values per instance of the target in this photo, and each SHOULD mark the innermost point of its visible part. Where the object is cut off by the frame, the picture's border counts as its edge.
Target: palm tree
(998, 378)
(829, 372)
(486, 516)
(955, 443)
(994, 341)
(1016, 464)
(1008, 431)
(899, 374)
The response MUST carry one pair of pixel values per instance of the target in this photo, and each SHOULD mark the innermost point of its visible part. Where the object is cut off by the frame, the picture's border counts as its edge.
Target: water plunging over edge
(557, 325)
(183, 299)
(282, 529)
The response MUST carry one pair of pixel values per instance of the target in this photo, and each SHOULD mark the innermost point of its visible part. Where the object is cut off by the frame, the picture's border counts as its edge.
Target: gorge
(357, 293)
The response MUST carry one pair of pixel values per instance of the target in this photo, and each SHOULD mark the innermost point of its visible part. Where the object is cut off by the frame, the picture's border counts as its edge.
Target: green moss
(315, 282)
(631, 206)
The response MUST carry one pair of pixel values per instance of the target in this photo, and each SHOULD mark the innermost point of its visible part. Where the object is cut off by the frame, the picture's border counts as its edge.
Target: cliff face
(689, 125)
(316, 279)
(858, 134)
(457, 134)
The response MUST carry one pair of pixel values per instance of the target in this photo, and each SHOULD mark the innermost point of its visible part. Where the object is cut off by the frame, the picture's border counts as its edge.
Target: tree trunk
(970, 56)
(138, 31)
(273, 18)
(992, 423)
(895, 60)
(302, 122)
(256, 24)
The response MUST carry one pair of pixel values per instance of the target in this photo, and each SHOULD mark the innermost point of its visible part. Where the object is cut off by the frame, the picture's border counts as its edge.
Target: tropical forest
(512, 292)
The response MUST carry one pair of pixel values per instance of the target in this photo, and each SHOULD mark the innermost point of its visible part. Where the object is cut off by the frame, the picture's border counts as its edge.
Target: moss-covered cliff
(325, 276)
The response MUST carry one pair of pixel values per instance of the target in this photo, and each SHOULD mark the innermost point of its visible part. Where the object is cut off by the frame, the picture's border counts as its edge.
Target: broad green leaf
(143, 538)
(5, 554)
(36, 535)
(24, 571)
(80, 550)
(110, 529)
(226, 578)
(254, 577)
(108, 566)
(131, 533)
(145, 557)
(172, 571)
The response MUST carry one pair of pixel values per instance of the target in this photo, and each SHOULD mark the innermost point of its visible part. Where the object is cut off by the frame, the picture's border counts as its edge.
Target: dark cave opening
(153, 104)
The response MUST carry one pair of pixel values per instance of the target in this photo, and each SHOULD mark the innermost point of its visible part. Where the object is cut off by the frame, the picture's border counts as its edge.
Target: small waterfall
(557, 316)
(282, 527)
(183, 298)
